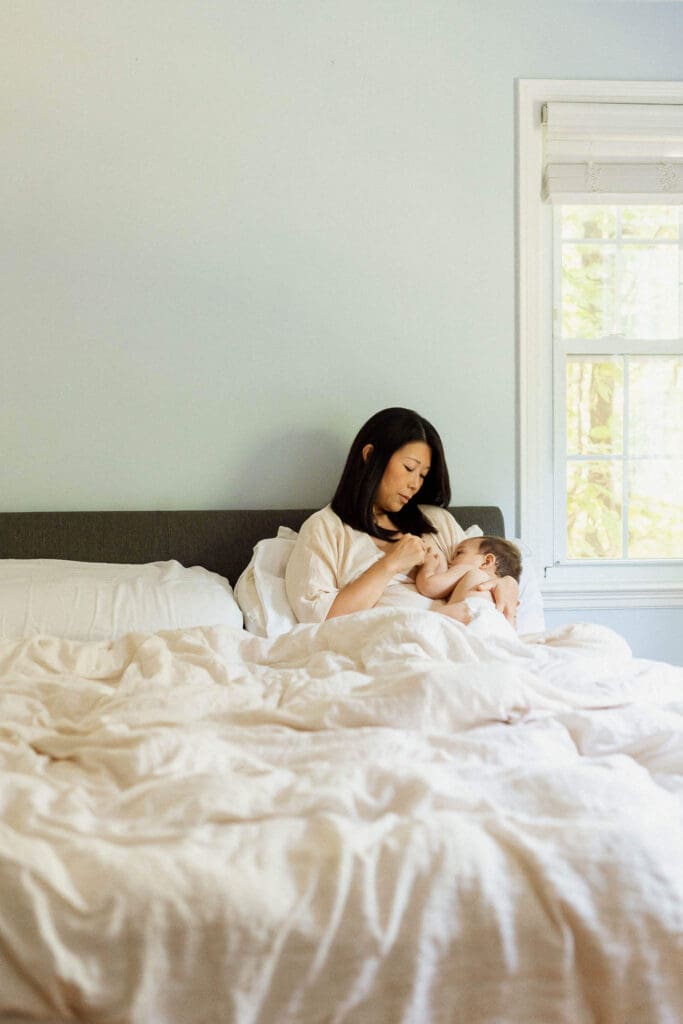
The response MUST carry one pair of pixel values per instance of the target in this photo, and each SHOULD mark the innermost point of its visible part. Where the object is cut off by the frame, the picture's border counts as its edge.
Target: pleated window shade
(613, 152)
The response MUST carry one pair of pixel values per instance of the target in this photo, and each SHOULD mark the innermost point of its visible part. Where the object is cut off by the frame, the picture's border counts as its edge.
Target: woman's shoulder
(323, 515)
(436, 515)
(324, 521)
(442, 520)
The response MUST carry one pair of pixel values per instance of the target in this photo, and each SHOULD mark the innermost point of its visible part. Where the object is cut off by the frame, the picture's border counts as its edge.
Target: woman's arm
(505, 593)
(324, 551)
(365, 591)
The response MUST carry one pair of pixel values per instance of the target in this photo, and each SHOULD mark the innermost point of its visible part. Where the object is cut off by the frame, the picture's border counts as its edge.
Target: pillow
(102, 601)
(261, 593)
(260, 590)
(530, 614)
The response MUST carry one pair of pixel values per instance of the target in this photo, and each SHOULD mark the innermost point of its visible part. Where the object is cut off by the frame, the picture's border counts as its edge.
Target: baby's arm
(435, 578)
(467, 586)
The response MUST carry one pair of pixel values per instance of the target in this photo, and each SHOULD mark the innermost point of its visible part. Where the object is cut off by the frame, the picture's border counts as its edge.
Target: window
(618, 382)
(600, 222)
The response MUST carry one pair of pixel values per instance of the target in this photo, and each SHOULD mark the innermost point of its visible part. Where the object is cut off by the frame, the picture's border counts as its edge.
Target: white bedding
(384, 819)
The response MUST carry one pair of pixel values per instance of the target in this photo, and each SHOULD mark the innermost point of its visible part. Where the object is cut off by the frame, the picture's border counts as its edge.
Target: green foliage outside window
(624, 413)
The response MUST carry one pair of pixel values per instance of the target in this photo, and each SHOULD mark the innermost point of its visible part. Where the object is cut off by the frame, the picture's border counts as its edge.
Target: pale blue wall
(654, 634)
(232, 230)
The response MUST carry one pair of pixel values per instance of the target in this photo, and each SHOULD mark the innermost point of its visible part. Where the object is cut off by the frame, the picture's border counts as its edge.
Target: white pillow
(261, 593)
(530, 614)
(102, 601)
(260, 590)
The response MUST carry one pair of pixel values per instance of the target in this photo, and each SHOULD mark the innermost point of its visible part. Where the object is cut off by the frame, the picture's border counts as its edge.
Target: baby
(476, 560)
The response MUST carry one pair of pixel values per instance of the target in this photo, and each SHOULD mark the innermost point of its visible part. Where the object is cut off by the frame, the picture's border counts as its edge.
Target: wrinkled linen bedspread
(386, 818)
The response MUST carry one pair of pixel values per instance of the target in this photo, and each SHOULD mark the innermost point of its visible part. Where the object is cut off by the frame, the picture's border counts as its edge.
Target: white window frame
(653, 584)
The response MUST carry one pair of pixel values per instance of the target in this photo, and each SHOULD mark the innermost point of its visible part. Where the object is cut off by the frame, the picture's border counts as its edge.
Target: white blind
(613, 152)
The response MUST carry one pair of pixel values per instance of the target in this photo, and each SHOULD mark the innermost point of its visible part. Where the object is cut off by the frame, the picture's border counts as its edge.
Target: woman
(364, 548)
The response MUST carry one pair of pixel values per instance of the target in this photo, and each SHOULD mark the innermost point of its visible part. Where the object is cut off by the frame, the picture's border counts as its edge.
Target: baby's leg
(466, 587)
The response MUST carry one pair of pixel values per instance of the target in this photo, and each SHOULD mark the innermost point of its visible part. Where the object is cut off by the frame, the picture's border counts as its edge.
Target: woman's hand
(505, 592)
(405, 553)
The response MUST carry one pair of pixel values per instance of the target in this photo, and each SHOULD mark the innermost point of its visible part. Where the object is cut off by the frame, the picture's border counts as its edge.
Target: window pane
(588, 290)
(594, 513)
(595, 403)
(656, 406)
(589, 221)
(621, 273)
(650, 222)
(649, 299)
(655, 524)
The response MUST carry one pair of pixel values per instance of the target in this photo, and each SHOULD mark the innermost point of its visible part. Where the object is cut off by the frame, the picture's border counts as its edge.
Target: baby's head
(493, 554)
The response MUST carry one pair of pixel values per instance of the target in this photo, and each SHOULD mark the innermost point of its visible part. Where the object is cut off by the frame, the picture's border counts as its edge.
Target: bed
(387, 818)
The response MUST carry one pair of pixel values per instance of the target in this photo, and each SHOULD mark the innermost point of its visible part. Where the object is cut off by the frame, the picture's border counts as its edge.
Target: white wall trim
(644, 595)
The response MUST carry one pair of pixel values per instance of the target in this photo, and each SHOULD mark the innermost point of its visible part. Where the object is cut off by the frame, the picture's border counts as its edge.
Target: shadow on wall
(298, 469)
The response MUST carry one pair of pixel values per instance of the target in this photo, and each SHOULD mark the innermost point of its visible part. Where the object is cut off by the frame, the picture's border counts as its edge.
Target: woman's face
(403, 477)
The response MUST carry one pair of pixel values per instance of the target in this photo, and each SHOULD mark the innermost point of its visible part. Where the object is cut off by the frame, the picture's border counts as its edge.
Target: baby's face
(467, 553)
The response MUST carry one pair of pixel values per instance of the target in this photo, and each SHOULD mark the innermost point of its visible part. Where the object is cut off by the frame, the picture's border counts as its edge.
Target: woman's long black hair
(387, 431)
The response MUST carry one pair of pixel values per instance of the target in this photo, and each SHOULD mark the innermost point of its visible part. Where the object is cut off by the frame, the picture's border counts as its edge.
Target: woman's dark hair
(387, 431)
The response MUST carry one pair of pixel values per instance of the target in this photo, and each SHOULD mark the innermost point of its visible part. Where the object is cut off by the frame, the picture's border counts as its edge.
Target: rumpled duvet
(389, 818)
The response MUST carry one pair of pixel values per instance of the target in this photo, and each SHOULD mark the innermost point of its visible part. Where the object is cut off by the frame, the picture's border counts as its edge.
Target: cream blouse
(328, 555)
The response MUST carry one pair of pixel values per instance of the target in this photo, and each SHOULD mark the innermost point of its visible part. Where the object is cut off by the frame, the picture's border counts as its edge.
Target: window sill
(612, 594)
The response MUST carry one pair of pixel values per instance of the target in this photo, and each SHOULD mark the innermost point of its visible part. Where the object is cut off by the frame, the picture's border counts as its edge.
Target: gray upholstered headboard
(219, 540)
